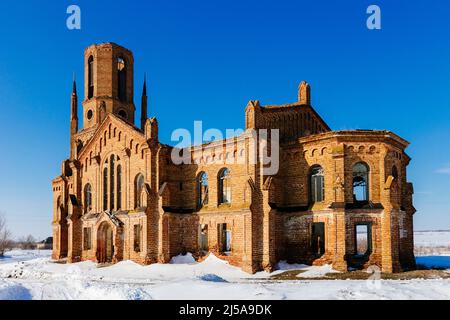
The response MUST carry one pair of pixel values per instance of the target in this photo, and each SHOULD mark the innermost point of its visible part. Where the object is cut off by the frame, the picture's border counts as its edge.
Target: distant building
(339, 197)
(46, 244)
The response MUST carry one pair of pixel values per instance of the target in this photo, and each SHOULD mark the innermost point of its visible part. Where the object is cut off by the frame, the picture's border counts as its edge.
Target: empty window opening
(139, 185)
(363, 241)
(203, 237)
(224, 236)
(394, 172)
(137, 237)
(87, 240)
(121, 79)
(111, 183)
(202, 189)
(360, 182)
(105, 188)
(224, 186)
(317, 184)
(90, 78)
(87, 198)
(119, 187)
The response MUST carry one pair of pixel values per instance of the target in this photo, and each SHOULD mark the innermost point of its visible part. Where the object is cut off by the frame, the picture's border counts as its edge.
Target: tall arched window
(90, 77)
(317, 184)
(202, 189)
(138, 189)
(105, 188)
(87, 198)
(360, 182)
(122, 79)
(224, 186)
(111, 182)
(58, 208)
(395, 172)
(119, 187)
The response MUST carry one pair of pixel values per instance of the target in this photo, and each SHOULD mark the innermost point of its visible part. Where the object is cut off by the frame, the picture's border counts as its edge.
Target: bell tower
(108, 83)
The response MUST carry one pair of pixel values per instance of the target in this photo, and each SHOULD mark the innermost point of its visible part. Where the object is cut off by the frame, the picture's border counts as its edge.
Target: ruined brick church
(339, 197)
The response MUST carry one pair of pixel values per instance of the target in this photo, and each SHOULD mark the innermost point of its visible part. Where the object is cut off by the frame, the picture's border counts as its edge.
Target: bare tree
(5, 237)
(27, 243)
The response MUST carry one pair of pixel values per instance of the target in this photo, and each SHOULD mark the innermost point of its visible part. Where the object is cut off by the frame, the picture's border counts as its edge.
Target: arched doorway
(105, 244)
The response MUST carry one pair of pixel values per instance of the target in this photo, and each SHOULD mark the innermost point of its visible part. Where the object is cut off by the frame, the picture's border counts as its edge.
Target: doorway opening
(318, 239)
(105, 245)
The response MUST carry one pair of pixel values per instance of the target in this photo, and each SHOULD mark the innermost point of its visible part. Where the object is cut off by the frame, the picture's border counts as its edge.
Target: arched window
(90, 77)
(395, 172)
(119, 187)
(360, 182)
(105, 188)
(122, 79)
(202, 189)
(87, 198)
(316, 178)
(224, 186)
(138, 189)
(123, 114)
(111, 183)
(58, 208)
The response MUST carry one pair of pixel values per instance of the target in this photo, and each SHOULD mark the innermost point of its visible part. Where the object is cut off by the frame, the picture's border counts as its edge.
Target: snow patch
(212, 278)
(11, 291)
(317, 272)
(181, 259)
(283, 265)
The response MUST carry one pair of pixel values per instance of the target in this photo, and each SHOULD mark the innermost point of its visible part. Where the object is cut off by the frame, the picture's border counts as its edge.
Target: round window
(89, 114)
(123, 114)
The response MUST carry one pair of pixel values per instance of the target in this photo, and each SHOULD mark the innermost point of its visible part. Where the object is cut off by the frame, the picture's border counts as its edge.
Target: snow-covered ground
(32, 275)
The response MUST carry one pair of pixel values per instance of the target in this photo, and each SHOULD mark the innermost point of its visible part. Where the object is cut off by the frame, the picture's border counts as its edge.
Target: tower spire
(144, 103)
(74, 101)
(73, 118)
(74, 85)
(144, 90)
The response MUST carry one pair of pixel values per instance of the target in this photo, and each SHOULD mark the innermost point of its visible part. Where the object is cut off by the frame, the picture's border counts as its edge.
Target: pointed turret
(74, 86)
(74, 102)
(144, 105)
(304, 93)
(73, 118)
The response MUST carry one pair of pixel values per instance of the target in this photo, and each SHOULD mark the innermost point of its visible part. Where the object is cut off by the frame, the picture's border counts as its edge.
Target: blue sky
(205, 59)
